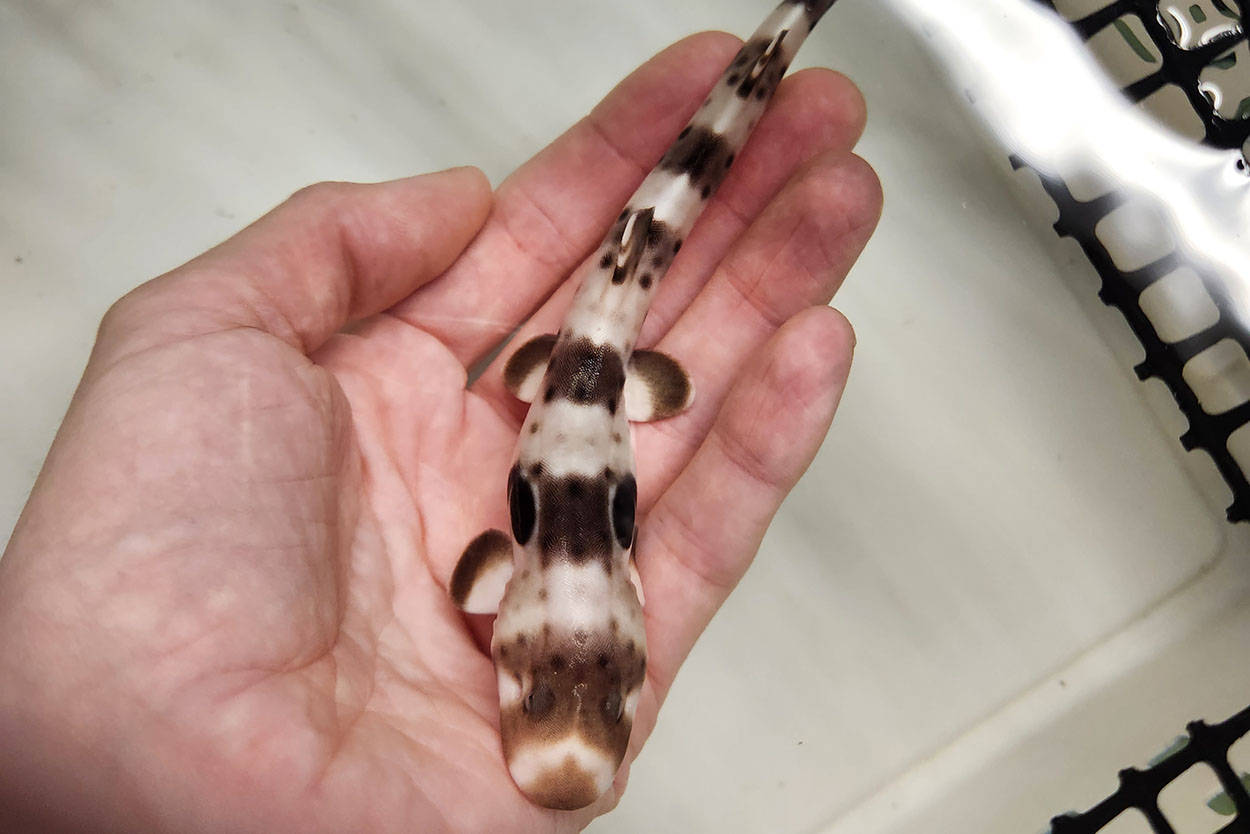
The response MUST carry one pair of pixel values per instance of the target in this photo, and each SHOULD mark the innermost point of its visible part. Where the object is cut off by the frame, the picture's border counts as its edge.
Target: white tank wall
(1001, 581)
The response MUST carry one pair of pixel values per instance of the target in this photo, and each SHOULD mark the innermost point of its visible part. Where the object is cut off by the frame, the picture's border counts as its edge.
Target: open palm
(224, 608)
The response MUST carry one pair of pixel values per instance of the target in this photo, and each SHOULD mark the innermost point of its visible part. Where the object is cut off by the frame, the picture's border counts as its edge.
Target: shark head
(567, 695)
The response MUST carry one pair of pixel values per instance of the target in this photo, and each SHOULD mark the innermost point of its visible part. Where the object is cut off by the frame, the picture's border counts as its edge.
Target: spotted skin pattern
(569, 645)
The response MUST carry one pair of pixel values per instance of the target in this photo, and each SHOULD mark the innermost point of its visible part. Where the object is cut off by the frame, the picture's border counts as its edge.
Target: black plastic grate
(1207, 744)
(1164, 360)
(1182, 67)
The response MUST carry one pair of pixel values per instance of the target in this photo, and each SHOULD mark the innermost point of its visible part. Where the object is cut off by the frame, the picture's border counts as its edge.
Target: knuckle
(123, 314)
(326, 196)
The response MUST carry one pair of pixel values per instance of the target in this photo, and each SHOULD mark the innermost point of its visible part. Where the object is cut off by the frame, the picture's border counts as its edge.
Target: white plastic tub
(1001, 582)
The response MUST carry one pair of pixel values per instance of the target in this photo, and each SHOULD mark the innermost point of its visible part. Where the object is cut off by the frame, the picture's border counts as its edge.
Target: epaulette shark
(569, 646)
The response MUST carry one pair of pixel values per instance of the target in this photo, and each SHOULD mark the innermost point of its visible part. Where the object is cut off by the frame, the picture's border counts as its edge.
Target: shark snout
(564, 774)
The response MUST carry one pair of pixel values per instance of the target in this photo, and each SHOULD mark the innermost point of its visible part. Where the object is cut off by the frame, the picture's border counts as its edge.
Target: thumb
(332, 253)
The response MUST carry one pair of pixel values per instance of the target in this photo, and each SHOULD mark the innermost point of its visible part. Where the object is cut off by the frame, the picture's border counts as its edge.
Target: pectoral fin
(484, 569)
(636, 580)
(656, 387)
(523, 372)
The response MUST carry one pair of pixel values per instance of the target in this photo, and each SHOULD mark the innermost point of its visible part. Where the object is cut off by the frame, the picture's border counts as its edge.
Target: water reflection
(1194, 24)
(1106, 108)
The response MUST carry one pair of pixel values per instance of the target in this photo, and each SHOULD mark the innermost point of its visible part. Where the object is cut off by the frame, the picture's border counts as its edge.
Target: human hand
(224, 607)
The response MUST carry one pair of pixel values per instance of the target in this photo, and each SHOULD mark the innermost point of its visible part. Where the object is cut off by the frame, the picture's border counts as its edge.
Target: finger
(332, 253)
(795, 255)
(556, 207)
(704, 531)
(814, 112)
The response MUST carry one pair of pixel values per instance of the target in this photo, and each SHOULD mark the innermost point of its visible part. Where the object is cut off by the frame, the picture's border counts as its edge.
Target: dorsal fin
(766, 57)
(633, 243)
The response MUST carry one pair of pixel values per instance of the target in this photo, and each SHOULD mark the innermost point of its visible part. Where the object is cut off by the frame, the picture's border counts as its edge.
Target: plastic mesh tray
(1213, 34)
(1215, 29)
(1139, 789)
(1213, 37)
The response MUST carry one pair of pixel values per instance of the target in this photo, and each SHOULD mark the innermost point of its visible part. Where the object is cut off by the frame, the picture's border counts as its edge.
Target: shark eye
(539, 701)
(623, 504)
(521, 505)
(613, 706)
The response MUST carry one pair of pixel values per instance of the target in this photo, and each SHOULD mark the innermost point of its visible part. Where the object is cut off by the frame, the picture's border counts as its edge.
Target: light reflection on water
(1194, 24)
(1178, 212)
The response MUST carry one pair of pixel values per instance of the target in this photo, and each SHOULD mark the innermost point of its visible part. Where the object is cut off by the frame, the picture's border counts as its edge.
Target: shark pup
(569, 646)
